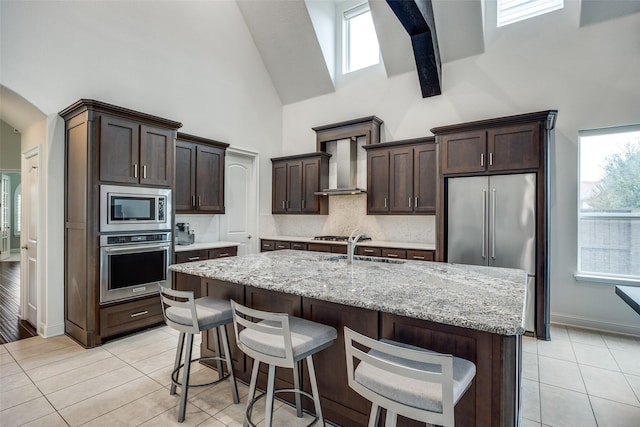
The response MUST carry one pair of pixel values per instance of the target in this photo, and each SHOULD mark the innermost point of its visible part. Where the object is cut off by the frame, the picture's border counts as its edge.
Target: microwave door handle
(140, 248)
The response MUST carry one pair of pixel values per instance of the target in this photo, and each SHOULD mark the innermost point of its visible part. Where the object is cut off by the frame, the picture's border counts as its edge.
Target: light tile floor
(580, 378)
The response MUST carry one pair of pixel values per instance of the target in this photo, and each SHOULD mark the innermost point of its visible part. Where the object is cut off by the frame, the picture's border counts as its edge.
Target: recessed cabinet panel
(279, 201)
(185, 180)
(464, 152)
(156, 156)
(514, 147)
(294, 187)
(401, 180)
(119, 150)
(378, 181)
(424, 186)
(209, 175)
(295, 181)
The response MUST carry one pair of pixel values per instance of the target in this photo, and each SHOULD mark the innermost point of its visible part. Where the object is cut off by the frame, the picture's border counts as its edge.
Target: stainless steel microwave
(125, 208)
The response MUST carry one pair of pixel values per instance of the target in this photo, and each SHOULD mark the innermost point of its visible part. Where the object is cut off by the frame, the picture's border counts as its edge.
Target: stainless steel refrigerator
(491, 220)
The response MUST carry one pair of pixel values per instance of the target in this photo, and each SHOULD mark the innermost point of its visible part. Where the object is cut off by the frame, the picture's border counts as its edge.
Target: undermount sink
(343, 258)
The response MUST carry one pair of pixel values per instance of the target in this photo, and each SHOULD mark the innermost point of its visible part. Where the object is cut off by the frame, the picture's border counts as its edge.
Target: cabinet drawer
(394, 253)
(282, 245)
(223, 252)
(129, 316)
(338, 249)
(420, 255)
(299, 246)
(368, 251)
(190, 256)
(267, 245)
(319, 247)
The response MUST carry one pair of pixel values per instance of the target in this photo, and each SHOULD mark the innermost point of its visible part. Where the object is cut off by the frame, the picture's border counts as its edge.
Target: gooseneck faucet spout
(351, 244)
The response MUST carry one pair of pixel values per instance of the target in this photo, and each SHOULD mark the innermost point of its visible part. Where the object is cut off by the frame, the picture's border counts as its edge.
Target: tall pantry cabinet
(112, 145)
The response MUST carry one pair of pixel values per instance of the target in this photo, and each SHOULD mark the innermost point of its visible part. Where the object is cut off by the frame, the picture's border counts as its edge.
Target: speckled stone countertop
(375, 243)
(203, 245)
(481, 298)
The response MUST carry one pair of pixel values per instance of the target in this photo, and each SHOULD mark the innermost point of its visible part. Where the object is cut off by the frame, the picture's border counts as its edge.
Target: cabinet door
(279, 188)
(156, 156)
(119, 150)
(464, 152)
(310, 184)
(210, 179)
(425, 178)
(514, 147)
(401, 180)
(377, 181)
(294, 187)
(185, 193)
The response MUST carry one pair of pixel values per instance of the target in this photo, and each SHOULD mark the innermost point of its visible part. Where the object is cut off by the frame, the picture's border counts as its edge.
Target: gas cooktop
(339, 238)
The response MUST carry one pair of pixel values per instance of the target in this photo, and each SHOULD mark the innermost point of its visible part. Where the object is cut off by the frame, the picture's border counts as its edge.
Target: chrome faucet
(351, 244)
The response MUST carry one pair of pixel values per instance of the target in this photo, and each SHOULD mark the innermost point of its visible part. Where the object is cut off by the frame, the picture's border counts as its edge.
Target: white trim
(596, 325)
(609, 280)
(50, 330)
(243, 151)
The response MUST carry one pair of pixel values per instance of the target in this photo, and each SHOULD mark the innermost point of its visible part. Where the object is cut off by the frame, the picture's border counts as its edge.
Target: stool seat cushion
(305, 337)
(410, 391)
(211, 313)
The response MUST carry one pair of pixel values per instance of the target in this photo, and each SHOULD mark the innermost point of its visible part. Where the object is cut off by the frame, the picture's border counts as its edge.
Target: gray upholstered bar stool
(278, 339)
(192, 316)
(411, 381)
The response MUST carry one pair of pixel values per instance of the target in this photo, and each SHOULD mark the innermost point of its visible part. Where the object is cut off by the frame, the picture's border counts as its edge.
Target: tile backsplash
(346, 213)
(206, 227)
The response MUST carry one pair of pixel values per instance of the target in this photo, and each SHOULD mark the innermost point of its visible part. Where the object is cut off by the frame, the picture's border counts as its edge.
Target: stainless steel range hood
(343, 168)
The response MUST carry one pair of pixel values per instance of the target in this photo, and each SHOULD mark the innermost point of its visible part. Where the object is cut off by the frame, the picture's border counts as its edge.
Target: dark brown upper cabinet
(401, 177)
(295, 180)
(199, 175)
(504, 148)
(134, 153)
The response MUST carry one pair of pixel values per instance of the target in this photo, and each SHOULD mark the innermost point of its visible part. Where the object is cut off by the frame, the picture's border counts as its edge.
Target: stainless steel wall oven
(133, 265)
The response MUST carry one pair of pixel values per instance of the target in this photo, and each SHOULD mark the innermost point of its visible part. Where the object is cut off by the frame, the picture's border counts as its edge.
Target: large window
(609, 205)
(359, 41)
(510, 11)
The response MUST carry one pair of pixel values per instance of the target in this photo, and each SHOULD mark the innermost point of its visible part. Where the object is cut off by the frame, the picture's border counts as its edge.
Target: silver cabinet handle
(385, 202)
(193, 200)
(283, 205)
(144, 171)
(415, 205)
(194, 258)
(140, 313)
(418, 257)
(369, 251)
(481, 159)
(302, 203)
(493, 223)
(490, 159)
(484, 221)
(224, 254)
(135, 170)
(392, 256)
(409, 201)
(199, 203)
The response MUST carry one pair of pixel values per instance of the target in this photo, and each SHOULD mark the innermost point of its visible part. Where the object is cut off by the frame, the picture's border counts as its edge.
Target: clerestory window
(360, 47)
(510, 11)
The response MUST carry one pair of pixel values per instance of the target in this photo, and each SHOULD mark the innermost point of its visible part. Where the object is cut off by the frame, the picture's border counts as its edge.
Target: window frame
(591, 276)
(517, 9)
(345, 15)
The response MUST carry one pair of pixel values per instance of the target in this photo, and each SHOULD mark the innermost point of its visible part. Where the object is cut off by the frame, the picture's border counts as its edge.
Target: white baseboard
(598, 325)
(50, 330)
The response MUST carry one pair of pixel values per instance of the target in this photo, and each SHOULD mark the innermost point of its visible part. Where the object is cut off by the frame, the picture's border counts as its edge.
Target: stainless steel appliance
(132, 265)
(125, 208)
(491, 220)
(184, 236)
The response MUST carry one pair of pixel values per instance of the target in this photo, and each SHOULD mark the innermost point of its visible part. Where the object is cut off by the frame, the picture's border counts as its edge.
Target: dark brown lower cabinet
(339, 403)
(492, 399)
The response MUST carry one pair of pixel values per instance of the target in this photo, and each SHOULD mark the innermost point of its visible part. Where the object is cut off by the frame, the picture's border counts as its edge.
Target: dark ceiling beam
(416, 16)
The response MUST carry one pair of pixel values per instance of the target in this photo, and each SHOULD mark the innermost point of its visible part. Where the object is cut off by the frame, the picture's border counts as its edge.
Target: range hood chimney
(343, 164)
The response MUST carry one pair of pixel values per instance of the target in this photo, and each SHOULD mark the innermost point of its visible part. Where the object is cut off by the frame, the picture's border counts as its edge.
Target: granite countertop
(482, 298)
(203, 245)
(375, 243)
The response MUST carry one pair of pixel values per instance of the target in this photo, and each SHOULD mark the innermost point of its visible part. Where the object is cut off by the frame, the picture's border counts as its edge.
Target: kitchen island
(468, 311)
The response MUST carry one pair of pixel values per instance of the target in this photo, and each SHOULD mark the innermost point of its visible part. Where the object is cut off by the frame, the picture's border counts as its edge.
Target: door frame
(4, 256)
(255, 157)
(26, 211)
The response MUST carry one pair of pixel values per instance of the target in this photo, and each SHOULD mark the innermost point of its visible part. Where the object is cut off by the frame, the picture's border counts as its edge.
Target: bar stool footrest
(175, 372)
(282, 390)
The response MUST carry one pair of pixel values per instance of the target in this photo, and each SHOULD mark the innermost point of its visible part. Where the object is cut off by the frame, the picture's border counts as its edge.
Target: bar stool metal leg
(314, 389)
(252, 391)
(179, 350)
(268, 406)
(184, 389)
(227, 356)
(216, 348)
(374, 415)
(296, 384)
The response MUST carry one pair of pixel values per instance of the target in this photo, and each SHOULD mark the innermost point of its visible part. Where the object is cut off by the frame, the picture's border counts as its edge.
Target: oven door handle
(139, 248)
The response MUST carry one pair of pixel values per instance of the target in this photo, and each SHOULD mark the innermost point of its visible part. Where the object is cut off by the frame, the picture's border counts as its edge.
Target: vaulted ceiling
(297, 38)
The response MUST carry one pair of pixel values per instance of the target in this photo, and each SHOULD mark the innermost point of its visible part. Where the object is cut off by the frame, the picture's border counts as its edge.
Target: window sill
(610, 280)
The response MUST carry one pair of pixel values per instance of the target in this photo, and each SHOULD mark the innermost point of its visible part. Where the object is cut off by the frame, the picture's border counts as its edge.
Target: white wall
(589, 74)
(192, 62)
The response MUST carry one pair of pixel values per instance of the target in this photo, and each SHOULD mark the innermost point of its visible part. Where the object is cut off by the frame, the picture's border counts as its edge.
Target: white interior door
(5, 211)
(30, 237)
(240, 224)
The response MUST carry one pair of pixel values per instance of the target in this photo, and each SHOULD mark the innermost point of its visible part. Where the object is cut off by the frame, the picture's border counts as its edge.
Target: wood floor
(11, 327)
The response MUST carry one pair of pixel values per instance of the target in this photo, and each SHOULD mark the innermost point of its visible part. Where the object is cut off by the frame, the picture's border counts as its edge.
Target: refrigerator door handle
(484, 222)
(493, 223)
